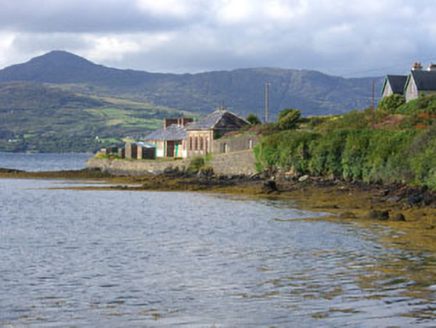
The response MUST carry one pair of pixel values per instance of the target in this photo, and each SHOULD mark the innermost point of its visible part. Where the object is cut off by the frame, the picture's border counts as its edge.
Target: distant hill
(241, 90)
(61, 96)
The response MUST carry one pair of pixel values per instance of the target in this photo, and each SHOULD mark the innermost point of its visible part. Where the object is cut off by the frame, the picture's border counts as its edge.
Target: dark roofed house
(420, 82)
(185, 138)
(394, 84)
(170, 141)
(201, 134)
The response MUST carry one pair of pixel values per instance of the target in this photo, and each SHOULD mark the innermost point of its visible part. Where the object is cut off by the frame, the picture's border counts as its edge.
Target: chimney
(431, 67)
(183, 121)
(417, 66)
(169, 121)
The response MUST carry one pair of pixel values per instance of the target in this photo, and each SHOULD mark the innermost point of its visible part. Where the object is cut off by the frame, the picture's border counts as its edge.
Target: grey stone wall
(134, 168)
(235, 163)
(235, 143)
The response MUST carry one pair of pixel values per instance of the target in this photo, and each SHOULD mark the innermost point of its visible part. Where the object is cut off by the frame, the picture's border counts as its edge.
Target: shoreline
(409, 210)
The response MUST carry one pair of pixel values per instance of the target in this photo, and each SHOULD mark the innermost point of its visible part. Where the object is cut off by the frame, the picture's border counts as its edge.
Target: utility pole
(266, 101)
(372, 104)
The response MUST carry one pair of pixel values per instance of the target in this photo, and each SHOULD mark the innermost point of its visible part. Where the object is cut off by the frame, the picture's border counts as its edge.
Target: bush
(253, 119)
(288, 119)
(391, 103)
(195, 165)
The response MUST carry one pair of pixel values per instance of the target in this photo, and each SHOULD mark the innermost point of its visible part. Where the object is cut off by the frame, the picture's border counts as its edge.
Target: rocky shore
(411, 210)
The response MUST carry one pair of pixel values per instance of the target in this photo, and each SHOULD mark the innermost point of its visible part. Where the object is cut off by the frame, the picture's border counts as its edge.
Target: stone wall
(235, 143)
(138, 167)
(236, 163)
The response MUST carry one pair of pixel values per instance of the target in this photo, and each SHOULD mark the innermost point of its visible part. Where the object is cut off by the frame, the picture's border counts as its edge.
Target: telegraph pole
(266, 101)
(372, 104)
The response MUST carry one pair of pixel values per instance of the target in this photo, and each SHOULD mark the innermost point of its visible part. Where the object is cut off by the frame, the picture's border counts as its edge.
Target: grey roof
(220, 119)
(172, 132)
(397, 83)
(425, 80)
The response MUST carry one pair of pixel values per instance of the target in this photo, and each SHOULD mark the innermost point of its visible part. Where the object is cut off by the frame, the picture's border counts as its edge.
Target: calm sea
(76, 258)
(43, 162)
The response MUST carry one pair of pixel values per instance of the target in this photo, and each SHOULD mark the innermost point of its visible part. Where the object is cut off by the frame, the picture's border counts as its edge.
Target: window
(196, 143)
(190, 143)
(201, 143)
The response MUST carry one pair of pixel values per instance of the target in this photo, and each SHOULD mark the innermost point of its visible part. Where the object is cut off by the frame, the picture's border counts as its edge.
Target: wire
(386, 68)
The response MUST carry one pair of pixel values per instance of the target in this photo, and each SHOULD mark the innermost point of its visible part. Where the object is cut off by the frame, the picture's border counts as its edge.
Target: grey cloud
(346, 39)
(82, 16)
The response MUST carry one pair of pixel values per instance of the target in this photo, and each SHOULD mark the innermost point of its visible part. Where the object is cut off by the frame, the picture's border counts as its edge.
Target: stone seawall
(227, 164)
(237, 163)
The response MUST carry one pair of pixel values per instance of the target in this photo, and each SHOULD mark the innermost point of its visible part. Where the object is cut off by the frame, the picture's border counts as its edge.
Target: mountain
(63, 102)
(240, 90)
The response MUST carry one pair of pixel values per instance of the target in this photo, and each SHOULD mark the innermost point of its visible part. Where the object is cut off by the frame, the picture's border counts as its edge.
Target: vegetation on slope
(36, 117)
(399, 146)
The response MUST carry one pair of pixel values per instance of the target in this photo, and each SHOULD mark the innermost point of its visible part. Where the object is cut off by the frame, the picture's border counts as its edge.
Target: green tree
(253, 119)
(288, 119)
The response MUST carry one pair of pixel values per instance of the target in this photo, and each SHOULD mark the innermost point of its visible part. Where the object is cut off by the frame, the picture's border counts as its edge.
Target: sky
(350, 38)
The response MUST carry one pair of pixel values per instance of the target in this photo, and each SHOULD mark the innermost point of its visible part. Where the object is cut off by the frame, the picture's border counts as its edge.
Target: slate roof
(424, 80)
(220, 119)
(397, 83)
(172, 132)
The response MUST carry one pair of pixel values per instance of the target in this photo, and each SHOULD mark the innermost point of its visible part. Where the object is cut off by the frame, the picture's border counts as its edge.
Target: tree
(253, 119)
(288, 118)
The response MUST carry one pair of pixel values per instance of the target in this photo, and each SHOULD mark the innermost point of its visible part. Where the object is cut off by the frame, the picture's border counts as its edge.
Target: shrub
(391, 103)
(195, 165)
(253, 119)
(288, 119)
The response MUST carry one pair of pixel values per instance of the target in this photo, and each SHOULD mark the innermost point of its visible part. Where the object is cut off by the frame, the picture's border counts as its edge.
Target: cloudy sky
(340, 37)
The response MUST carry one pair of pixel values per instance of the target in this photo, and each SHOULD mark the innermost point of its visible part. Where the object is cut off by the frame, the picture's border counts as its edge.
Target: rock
(427, 199)
(384, 192)
(378, 215)
(270, 186)
(394, 199)
(399, 217)
(205, 172)
(384, 215)
(255, 176)
(415, 199)
(169, 170)
(373, 214)
(303, 178)
(348, 215)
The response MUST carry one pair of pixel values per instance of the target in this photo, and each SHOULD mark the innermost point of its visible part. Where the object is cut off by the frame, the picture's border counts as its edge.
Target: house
(202, 134)
(394, 84)
(170, 141)
(420, 82)
(184, 138)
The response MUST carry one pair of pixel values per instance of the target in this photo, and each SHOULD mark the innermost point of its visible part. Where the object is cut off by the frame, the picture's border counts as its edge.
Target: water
(71, 258)
(43, 162)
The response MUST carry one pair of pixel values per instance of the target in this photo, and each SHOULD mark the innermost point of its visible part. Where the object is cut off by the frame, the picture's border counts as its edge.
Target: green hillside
(35, 117)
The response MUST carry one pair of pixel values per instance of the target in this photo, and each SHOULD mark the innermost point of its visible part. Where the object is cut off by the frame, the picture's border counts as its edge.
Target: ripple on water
(87, 258)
